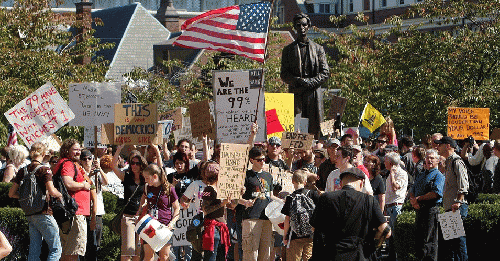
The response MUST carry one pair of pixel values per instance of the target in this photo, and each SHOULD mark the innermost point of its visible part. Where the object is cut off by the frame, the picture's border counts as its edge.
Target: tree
(416, 77)
(37, 46)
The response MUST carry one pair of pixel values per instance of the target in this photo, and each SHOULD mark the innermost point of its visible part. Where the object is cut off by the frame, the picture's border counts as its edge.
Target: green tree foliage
(35, 47)
(414, 75)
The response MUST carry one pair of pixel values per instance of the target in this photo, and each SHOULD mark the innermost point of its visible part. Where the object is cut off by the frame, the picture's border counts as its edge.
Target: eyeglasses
(381, 141)
(274, 145)
(260, 160)
(87, 158)
(135, 163)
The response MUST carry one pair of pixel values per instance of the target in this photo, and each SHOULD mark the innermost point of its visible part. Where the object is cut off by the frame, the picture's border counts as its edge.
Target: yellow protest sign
(465, 122)
(283, 103)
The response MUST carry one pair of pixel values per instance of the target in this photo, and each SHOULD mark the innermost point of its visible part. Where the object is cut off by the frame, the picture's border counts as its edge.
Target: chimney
(168, 16)
(84, 21)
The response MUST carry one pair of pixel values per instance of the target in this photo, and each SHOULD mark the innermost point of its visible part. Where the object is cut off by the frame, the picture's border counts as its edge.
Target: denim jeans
(456, 249)
(188, 252)
(43, 227)
(393, 212)
(218, 253)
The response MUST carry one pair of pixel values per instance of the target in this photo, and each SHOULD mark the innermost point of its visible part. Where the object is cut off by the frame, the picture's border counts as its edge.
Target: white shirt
(195, 191)
(115, 185)
(396, 196)
(100, 200)
(333, 183)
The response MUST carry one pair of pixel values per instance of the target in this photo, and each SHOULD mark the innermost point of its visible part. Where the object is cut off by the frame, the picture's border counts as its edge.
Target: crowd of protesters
(352, 191)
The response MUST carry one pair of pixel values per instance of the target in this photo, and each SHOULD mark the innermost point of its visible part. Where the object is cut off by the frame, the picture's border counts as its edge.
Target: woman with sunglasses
(133, 186)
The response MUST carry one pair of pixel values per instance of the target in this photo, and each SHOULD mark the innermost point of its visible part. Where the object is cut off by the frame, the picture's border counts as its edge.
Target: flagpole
(362, 113)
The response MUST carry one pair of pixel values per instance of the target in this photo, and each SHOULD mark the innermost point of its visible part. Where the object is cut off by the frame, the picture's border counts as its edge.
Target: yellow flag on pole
(372, 118)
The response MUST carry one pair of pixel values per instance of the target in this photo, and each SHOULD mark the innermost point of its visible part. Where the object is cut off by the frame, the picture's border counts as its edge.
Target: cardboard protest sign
(93, 103)
(89, 137)
(284, 105)
(167, 127)
(327, 127)
(185, 133)
(40, 114)
(236, 94)
(465, 122)
(174, 115)
(201, 119)
(53, 143)
(451, 225)
(233, 162)
(273, 122)
(179, 233)
(337, 106)
(135, 123)
(282, 177)
(295, 140)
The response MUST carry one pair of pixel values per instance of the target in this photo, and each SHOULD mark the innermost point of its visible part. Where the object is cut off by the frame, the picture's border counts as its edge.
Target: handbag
(116, 222)
(194, 232)
(63, 210)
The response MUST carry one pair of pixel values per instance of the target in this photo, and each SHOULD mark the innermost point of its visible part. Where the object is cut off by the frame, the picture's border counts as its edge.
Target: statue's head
(301, 24)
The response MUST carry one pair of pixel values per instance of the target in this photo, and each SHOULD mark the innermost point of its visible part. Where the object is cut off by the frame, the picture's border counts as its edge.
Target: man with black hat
(328, 165)
(455, 187)
(354, 216)
(273, 153)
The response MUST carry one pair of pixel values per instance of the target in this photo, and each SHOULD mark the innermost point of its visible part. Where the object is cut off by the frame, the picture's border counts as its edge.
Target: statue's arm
(323, 70)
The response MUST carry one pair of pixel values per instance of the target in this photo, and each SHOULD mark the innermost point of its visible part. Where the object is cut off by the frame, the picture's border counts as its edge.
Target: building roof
(134, 31)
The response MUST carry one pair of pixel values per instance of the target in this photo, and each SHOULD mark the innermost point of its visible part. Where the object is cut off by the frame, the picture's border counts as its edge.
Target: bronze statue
(304, 68)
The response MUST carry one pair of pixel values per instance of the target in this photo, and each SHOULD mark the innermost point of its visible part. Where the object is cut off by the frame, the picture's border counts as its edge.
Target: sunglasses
(87, 158)
(135, 163)
(260, 160)
(381, 141)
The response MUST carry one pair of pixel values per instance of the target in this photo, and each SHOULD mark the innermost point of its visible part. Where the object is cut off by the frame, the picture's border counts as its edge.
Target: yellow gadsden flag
(372, 118)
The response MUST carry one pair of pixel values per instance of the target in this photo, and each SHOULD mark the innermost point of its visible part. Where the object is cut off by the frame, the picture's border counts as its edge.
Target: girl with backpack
(42, 225)
(161, 202)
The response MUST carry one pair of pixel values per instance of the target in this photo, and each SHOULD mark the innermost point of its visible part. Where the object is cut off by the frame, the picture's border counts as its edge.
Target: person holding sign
(455, 188)
(257, 230)
(161, 204)
(304, 68)
(216, 239)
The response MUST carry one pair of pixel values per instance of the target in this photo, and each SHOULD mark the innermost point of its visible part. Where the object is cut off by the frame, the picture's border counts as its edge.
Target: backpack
(301, 210)
(475, 182)
(32, 198)
(63, 210)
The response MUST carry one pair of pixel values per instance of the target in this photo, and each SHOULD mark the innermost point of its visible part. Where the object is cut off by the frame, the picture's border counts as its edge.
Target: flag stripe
(188, 39)
(202, 32)
(220, 25)
(208, 15)
(259, 58)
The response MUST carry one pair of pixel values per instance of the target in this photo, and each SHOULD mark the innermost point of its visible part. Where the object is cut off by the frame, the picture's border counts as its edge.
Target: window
(401, 2)
(324, 8)
(351, 6)
(383, 3)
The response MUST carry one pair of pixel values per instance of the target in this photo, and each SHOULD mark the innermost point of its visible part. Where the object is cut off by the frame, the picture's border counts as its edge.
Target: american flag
(240, 29)
(12, 141)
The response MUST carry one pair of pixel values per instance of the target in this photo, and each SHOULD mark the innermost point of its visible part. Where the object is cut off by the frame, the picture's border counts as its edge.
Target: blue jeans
(218, 253)
(456, 249)
(393, 212)
(188, 252)
(43, 227)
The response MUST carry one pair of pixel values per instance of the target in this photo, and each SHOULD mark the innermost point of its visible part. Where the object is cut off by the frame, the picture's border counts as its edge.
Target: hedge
(482, 227)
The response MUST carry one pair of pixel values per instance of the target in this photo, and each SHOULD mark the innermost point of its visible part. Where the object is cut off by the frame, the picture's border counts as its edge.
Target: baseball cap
(446, 140)
(274, 140)
(331, 142)
(355, 172)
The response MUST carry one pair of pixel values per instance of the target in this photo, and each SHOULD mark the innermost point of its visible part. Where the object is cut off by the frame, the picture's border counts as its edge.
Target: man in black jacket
(304, 68)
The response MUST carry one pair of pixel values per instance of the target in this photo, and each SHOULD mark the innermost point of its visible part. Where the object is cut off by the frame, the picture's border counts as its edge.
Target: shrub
(14, 225)
(110, 201)
(4, 196)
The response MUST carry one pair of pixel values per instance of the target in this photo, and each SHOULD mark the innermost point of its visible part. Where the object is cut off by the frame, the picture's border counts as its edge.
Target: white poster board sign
(236, 95)
(167, 126)
(93, 103)
(89, 137)
(451, 225)
(40, 114)
(185, 217)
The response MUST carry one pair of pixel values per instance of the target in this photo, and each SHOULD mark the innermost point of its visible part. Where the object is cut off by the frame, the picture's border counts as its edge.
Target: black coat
(307, 95)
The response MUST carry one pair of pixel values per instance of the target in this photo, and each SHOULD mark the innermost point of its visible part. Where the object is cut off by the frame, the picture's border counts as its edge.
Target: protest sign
(53, 143)
(327, 127)
(167, 126)
(282, 177)
(284, 105)
(201, 119)
(93, 103)
(174, 115)
(185, 217)
(40, 114)
(337, 107)
(135, 123)
(273, 122)
(451, 225)
(233, 162)
(89, 137)
(185, 133)
(465, 122)
(236, 95)
(295, 140)
(301, 124)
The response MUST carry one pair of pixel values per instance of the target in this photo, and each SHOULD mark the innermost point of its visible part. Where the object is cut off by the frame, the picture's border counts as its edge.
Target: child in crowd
(161, 202)
(299, 246)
